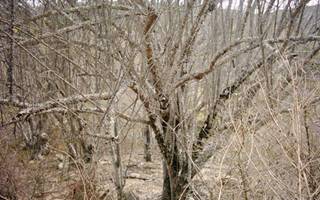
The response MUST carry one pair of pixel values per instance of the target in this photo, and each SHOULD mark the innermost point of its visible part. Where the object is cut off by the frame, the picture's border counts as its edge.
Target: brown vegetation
(228, 90)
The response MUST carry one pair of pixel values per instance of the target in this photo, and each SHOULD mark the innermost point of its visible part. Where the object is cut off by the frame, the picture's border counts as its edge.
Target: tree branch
(41, 107)
(77, 9)
(220, 54)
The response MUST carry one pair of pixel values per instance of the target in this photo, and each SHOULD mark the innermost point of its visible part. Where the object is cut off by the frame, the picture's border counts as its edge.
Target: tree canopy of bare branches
(198, 73)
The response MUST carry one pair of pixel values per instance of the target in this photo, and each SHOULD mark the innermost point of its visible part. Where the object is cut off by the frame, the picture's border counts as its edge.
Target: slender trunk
(166, 189)
(147, 147)
(116, 156)
(10, 51)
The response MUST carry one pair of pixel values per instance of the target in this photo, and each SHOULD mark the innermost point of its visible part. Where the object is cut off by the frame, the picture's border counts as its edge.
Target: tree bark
(174, 185)
(147, 147)
(116, 160)
(175, 177)
(9, 58)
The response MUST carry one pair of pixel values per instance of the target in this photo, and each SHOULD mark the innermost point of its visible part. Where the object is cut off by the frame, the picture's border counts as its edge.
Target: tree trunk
(9, 58)
(116, 160)
(166, 189)
(147, 147)
(175, 179)
(174, 185)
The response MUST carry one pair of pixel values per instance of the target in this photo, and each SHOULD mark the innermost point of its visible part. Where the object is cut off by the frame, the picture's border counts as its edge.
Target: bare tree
(197, 68)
